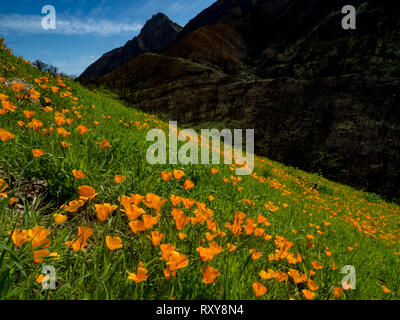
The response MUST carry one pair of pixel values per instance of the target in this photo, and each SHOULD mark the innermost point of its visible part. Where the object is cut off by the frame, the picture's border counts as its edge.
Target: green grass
(337, 216)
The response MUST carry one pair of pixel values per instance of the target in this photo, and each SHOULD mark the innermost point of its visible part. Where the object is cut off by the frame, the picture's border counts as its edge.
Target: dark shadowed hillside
(320, 97)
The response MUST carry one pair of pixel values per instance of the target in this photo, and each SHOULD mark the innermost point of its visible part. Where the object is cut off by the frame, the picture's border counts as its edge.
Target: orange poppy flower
(86, 193)
(255, 254)
(37, 153)
(337, 291)
(259, 289)
(181, 221)
(137, 226)
(207, 254)
(104, 210)
(82, 129)
(250, 226)
(40, 278)
(47, 132)
(60, 120)
(385, 289)
(281, 276)
(178, 174)
(175, 200)
(166, 250)
(78, 174)
(132, 211)
(210, 236)
(168, 274)
(297, 276)
(210, 274)
(177, 261)
(29, 114)
(12, 200)
(36, 125)
(3, 186)
(182, 235)
(136, 199)
(19, 237)
(38, 236)
(63, 132)
(55, 256)
(39, 255)
(118, 178)
(176, 213)
(149, 221)
(214, 171)
(154, 202)
(104, 144)
(156, 238)
(114, 243)
(140, 275)
(60, 218)
(34, 95)
(5, 135)
(312, 285)
(188, 184)
(80, 242)
(308, 294)
(7, 106)
(316, 265)
(65, 145)
(16, 87)
(188, 202)
(166, 176)
(73, 206)
(271, 274)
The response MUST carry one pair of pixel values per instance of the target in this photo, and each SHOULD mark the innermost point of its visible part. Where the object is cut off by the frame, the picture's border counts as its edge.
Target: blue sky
(85, 28)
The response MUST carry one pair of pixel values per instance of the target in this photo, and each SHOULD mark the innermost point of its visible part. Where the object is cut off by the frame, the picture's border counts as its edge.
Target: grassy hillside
(278, 234)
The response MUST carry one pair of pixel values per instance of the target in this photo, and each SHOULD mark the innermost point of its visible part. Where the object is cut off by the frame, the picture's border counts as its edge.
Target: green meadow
(78, 197)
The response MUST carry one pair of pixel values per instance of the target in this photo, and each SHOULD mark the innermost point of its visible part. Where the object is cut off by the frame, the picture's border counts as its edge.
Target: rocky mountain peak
(158, 32)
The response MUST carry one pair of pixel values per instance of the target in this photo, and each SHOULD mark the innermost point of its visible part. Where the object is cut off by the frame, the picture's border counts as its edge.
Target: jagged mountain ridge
(157, 33)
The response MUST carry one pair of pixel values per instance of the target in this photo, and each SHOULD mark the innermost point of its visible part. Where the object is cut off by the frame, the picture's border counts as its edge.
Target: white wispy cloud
(31, 24)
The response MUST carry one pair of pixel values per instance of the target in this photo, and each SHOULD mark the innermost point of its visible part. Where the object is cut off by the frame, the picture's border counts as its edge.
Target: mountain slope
(104, 216)
(333, 87)
(157, 33)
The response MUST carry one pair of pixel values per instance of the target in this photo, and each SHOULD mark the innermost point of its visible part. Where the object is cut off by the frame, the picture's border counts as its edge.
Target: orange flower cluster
(38, 236)
(174, 260)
